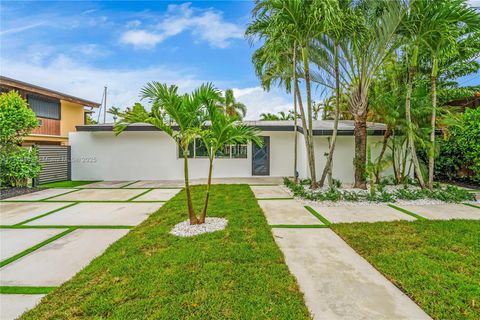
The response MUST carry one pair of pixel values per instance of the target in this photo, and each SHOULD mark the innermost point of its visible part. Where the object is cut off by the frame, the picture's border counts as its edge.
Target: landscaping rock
(185, 229)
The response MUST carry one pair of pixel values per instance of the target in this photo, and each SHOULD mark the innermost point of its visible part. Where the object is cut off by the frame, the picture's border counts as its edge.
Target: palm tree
(180, 116)
(362, 55)
(223, 131)
(292, 25)
(232, 107)
(115, 112)
(282, 116)
(458, 22)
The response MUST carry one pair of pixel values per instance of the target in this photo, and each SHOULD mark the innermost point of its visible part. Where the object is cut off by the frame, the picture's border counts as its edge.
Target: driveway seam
(25, 290)
(472, 205)
(410, 213)
(318, 216)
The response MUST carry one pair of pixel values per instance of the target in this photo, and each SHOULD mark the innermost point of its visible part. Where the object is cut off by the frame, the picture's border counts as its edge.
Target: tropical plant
(232, 107)
(17, 120)
(115, 112)
(289, 27)
(223, 131)
(280, 116)
(180, 116)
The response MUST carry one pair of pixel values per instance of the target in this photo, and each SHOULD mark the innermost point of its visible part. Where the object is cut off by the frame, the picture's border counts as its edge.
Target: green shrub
(17, 120)
(18, 166)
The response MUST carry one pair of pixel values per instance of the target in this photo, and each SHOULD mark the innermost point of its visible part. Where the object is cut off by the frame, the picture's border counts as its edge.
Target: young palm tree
(232, 107)
(180, 116)
(115, 111)
(223, 131)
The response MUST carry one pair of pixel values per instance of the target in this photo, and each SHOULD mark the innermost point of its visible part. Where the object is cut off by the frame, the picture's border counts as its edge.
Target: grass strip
(275, 198)
(139, 195)
(35, 247)
(67, 226)
(129, 184)
(318, 215)
(410, 213)
(299, 226)
(25, 290)
(46, 214)
(472, 205)
(67, 184)
(61, 194)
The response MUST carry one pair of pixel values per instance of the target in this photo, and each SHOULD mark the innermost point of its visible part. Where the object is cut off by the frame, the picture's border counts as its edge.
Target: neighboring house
(58, 113)
(470, 102)
(143, 152)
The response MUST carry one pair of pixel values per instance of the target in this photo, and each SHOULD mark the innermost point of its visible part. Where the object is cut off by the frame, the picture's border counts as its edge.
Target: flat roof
(320, 127)
(25, 86)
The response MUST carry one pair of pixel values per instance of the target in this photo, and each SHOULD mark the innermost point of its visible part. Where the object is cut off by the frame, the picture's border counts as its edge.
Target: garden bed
(435, 263)
(236, 273)
(18, 191)
(341, 195)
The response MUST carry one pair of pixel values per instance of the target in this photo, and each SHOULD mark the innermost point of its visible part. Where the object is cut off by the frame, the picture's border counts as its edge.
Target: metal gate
(55, 162)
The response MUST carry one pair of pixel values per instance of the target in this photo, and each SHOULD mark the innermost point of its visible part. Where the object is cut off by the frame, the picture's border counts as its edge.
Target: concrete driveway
(50, 235)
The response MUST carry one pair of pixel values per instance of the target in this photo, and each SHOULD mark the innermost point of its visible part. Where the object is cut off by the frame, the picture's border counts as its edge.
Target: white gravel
(185, 229)
(343, 203)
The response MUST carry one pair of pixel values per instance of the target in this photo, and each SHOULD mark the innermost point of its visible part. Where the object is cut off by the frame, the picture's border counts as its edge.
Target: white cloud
(259, 101)
(66, 75)
(22, 28)
(141, 38)
(208, 25)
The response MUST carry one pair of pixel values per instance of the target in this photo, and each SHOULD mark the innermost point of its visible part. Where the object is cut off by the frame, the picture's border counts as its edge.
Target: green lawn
(66, 184)
(238, 273)
(436, 263)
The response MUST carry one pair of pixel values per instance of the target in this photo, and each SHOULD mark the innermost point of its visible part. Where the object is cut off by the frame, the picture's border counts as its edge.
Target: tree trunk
(191, 211)
(388, 133)
(360, 133)
(207, 195)
(302, 115)
(309, 130)
(431, 155)
(408, 102)
(328, 164)
(295, 129)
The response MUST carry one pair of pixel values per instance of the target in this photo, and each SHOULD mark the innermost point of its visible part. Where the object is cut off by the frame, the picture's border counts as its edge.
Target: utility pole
(105, 105)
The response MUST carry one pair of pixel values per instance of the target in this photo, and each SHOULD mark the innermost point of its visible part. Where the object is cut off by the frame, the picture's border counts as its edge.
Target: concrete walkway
(337, 282)
(349, 214)
(287, 212)
(36, 253)
(444, 211)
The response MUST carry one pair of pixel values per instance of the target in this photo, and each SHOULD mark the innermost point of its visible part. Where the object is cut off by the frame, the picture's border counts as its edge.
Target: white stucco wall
(152, 155)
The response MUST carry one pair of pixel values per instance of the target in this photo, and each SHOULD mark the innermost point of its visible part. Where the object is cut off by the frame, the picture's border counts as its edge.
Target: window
(44, 107)
(198, 150)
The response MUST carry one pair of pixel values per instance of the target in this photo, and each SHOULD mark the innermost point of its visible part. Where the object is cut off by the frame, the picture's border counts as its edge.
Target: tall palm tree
(458, 22)
(295, 24)
(232, 107)
(180, 116)
(223, 131)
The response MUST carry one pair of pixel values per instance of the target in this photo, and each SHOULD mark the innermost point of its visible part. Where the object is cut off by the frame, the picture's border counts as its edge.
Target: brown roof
(16, 84)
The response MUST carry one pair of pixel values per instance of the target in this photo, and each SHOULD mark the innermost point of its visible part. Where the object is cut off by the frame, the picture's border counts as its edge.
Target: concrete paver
(180, 183)
(43, 194)
(337, 282)
(59, 260)
(106, 184)
(361, 214)
(269, 192)
(13, 305)
(158, 195)
(100, 195)
(16, 212)
(14, 241)
(444, 211)
(287, 212)
(100, 214)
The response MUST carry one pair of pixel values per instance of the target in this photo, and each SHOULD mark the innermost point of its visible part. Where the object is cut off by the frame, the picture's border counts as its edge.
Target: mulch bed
(18, 191)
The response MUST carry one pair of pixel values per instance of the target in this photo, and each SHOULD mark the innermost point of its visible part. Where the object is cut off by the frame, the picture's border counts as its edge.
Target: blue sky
(77, 47)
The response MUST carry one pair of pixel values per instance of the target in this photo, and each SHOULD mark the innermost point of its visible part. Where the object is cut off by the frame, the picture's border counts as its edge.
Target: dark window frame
(46, 99)
(193, 149)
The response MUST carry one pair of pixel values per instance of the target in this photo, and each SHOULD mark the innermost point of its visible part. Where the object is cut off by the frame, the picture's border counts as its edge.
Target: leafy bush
(17, 120)
(18, 166)
(459, 157)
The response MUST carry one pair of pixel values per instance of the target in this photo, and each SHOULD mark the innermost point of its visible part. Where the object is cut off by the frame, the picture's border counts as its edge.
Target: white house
(143, 152)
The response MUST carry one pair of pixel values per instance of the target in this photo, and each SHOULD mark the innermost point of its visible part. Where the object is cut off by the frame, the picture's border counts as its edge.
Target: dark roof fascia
(326, 132)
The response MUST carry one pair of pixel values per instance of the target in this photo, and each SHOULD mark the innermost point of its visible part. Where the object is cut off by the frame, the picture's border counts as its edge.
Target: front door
(261, 158)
